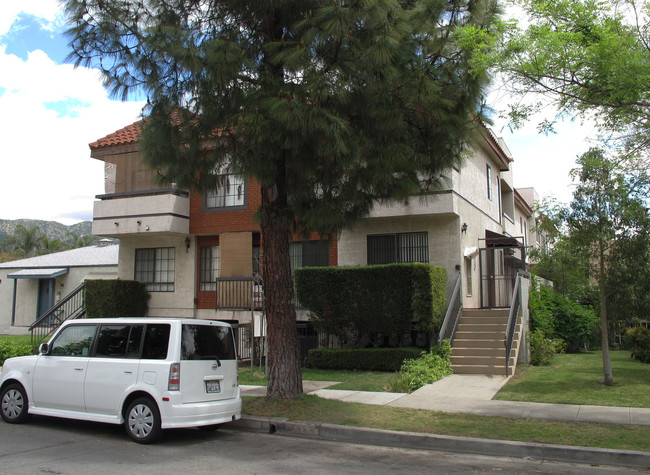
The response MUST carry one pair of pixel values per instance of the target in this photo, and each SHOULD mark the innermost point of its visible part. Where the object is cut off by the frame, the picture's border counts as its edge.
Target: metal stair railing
(452, 316)
(513, 316)
(71, 306)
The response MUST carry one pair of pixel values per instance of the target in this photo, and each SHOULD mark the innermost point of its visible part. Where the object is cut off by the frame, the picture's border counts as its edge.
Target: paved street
(47, 445)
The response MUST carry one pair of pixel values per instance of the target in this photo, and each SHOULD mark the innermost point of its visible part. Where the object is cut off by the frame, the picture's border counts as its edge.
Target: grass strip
(576, 379)
(314, 409)
(376, 381)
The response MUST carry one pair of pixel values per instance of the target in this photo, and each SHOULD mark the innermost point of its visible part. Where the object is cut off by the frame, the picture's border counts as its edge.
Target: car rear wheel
(143, 421)
(13, 404)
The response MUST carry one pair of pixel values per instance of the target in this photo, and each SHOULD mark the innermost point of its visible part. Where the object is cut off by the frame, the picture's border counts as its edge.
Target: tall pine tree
(329, 105)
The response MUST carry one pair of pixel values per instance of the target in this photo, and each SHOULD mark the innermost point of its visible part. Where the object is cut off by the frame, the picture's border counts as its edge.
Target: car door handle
(78, 369)
(128, 371)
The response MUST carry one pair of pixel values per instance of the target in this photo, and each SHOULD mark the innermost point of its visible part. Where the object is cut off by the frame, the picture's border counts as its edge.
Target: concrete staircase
(478, 345)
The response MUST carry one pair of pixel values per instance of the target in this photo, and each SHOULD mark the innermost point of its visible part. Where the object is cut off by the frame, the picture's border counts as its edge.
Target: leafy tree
(24, 242)
(588, 57)
(608, 212)
(327, 105)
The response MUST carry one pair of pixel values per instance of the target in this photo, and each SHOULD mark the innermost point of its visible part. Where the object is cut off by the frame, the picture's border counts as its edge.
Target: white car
(146, 373)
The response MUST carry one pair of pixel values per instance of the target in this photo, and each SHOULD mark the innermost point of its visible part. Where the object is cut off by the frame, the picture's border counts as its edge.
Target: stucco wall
(180, 302)
(27, 294)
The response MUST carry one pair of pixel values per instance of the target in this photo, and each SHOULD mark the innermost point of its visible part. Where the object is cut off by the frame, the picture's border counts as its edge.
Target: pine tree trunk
(607, 363)
(285, 377)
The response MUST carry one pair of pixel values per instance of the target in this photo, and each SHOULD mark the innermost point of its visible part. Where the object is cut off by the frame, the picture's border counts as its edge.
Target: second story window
(489, 182)
(230, 190)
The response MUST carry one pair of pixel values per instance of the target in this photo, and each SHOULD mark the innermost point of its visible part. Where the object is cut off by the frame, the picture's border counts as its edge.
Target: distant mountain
(51, 229)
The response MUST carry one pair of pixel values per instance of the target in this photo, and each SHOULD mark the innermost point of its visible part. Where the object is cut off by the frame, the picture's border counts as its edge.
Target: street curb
(414, 440)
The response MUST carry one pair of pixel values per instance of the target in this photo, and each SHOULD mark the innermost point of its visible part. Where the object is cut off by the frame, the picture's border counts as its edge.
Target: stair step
(479, 335)
(456, 351)
(494, 327)
(481, 312)
(483, 320)
(477, 343)
(478, 360)
(479, 369)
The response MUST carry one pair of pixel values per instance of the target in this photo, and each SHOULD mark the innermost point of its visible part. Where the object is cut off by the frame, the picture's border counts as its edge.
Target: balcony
(444, 202)
(154, 211)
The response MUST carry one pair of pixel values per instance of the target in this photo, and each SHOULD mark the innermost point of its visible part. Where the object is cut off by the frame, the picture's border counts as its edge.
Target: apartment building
(199, 253)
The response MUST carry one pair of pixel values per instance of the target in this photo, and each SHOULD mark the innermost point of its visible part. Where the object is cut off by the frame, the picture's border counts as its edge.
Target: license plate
(212, 387)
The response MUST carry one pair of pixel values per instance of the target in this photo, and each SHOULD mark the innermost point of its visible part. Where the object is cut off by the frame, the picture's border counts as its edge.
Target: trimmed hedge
(388, 299)
(116, 298)
(365, 359)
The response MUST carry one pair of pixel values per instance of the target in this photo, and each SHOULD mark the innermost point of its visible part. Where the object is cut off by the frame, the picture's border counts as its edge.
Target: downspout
(13, 306)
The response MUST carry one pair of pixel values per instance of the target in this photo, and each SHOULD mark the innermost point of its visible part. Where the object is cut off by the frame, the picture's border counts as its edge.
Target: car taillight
(174, 377)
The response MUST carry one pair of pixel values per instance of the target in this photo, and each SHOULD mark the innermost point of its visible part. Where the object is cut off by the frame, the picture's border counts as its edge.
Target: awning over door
(38, 273)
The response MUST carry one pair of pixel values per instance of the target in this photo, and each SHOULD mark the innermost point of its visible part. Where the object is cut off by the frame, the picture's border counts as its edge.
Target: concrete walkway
(472, 394)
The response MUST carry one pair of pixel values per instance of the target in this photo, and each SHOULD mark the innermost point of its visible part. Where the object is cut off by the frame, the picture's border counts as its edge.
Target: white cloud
(46, 169)
(48, 11)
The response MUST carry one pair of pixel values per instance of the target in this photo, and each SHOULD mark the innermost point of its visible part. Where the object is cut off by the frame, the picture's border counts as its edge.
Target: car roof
(184, 321)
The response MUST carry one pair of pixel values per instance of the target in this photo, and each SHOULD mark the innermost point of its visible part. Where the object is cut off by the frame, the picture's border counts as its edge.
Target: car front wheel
(13, 404)
(143, 421)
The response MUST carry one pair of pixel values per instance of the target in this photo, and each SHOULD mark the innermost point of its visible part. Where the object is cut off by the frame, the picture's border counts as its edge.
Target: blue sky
(52, 111)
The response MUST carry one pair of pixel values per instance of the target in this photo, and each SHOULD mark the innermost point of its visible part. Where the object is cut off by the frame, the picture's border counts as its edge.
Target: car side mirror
(43, 348)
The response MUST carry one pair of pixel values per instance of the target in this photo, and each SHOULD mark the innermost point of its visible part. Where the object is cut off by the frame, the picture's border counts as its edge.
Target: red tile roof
(125, 136)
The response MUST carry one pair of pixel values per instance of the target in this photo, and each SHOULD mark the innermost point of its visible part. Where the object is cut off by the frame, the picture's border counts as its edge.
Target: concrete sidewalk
(472, 394)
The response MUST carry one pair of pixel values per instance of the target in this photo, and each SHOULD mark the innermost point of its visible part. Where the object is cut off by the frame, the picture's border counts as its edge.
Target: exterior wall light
(463, 228)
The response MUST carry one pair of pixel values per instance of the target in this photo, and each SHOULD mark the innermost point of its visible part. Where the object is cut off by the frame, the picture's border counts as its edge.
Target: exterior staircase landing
(478, 344)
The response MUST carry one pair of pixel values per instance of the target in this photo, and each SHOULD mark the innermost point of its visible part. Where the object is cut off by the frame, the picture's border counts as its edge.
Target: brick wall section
(217, 222)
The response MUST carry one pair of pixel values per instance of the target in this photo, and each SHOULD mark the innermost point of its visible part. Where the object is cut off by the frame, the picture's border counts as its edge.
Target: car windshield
(207, 342)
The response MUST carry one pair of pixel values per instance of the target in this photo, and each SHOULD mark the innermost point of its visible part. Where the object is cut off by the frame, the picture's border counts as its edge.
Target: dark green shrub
(10, 349)
(543, 349)
(639, 341)
(389, 300)
(428, 368)
(366, 359)
(116, 298)
(560, 318)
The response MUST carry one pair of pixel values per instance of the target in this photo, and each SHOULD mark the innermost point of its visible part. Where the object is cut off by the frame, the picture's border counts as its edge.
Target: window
(398, 248)
(468, 276)
(489, 182)
(203, 342)
(230, 191)
(156, 342)
(155, 267)
(74, 340)
(210, 265)
(309, 254)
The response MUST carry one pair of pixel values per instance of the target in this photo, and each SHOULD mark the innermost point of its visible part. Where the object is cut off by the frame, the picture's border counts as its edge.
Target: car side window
(112, 341)
(156, 342)
(74, 340)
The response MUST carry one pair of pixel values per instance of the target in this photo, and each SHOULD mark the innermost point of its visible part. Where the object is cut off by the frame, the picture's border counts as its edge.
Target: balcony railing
(239, 293)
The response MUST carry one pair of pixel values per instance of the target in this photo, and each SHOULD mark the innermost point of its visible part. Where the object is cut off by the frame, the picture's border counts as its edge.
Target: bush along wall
(372, 301)
(116, 298)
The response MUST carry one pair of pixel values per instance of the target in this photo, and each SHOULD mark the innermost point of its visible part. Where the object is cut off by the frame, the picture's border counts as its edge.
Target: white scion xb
(146, 373)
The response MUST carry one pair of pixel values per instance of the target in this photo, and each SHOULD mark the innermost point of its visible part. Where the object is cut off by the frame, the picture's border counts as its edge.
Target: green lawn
(314, 409)
(353, 380)
(575, 379)
(570, 379)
